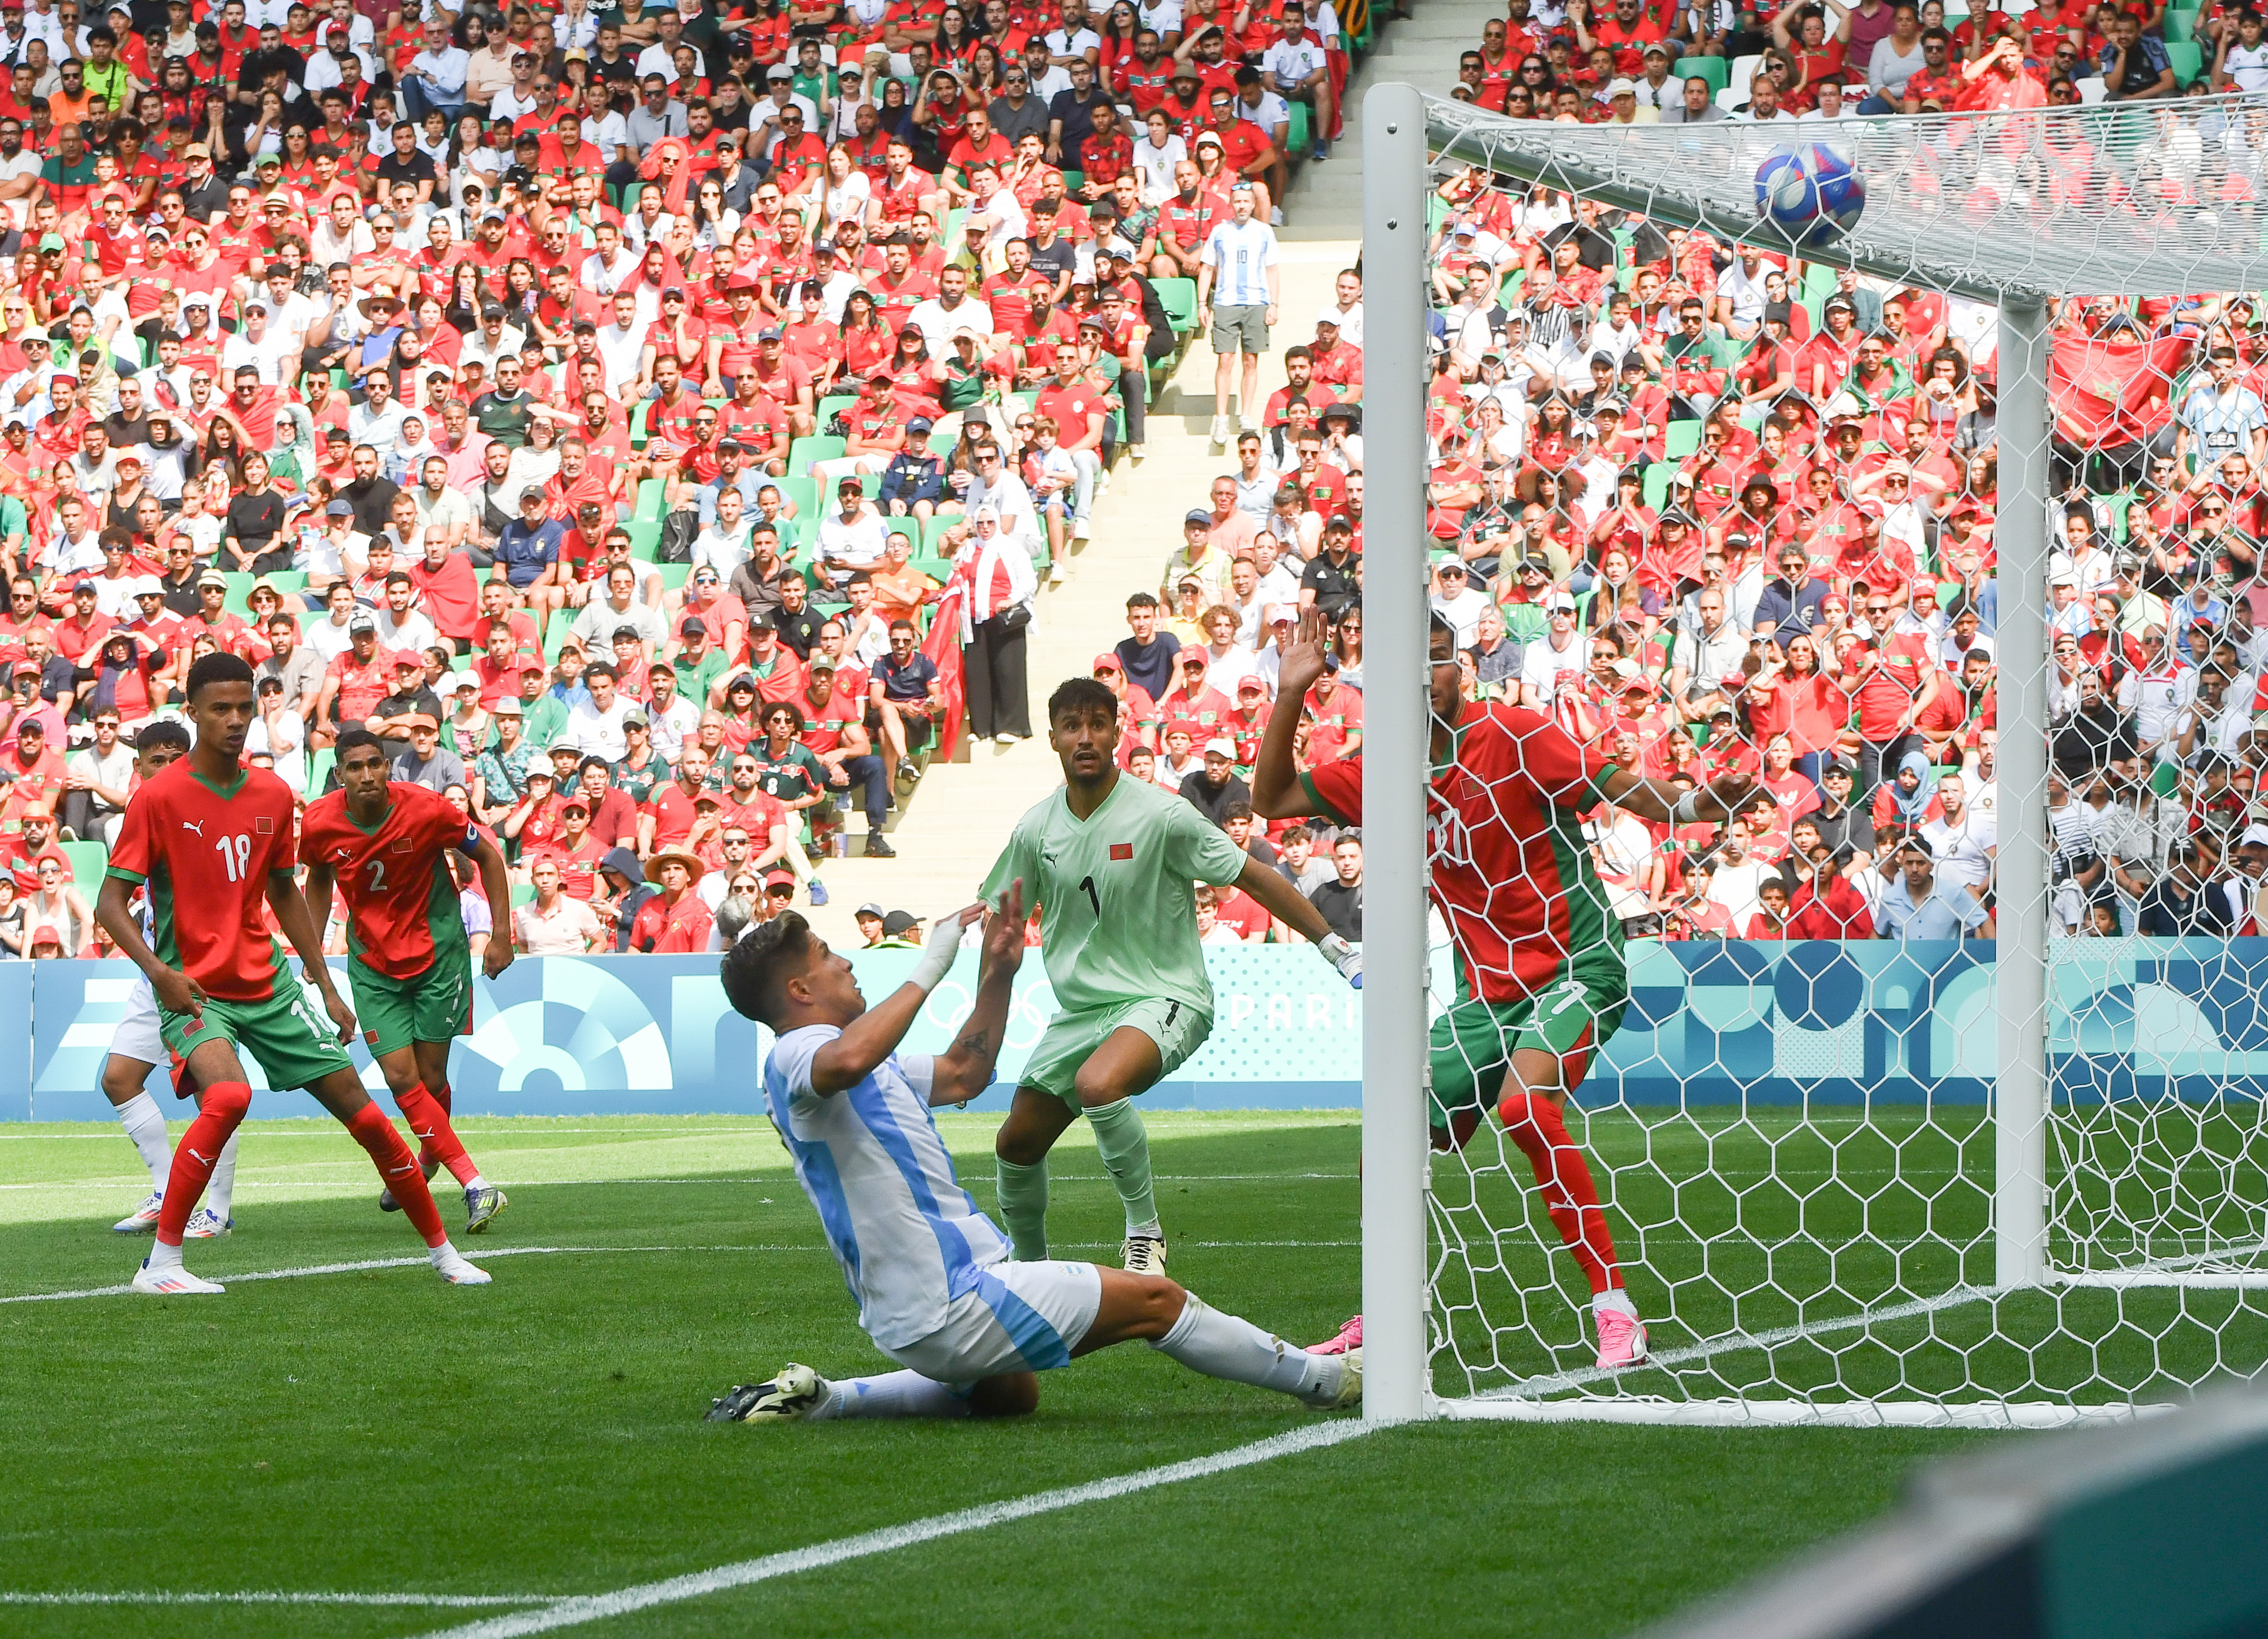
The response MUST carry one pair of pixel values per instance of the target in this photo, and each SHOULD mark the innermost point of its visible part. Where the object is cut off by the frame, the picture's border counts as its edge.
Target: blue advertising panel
(1709, 1024)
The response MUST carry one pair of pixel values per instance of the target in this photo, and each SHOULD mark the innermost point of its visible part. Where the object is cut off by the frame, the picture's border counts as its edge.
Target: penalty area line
(573, 1613)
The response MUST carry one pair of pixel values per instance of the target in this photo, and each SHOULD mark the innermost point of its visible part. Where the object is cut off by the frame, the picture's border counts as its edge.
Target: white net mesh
(1767, 542)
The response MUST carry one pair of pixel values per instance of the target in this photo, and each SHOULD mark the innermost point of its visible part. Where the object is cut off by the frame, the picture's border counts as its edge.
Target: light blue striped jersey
(909, 1237)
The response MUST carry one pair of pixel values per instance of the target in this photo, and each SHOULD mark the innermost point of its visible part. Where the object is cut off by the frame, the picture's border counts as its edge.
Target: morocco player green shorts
(1473, 1041)
(293, 1040)
(431, 1006)
(1177, 1028)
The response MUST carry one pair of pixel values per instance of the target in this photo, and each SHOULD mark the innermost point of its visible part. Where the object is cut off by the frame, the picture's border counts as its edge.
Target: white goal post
(1985, 1327)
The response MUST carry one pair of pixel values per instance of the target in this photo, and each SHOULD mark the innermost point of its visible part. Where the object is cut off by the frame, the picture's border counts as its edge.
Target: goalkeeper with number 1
(1115, 860)
(1540, 978)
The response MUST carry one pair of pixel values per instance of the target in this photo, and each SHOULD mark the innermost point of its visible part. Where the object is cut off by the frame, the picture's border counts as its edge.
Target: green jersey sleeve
(1200, 851)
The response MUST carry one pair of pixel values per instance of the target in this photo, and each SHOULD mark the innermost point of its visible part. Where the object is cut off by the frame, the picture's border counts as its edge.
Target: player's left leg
(1036, 1118)
(340, 1092)
(409, 1024)
(1562, 1031)
(135, 1050)
(1128, 1062)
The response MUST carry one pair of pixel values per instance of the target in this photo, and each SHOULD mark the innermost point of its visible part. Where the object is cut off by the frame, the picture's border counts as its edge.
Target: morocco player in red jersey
(1540, 979)
(212, 841)
(385, 846)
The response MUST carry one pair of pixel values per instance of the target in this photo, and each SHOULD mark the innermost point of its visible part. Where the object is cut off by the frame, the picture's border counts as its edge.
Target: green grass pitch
(376, 1432)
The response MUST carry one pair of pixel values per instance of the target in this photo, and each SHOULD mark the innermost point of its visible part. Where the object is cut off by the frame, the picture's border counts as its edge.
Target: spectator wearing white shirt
(852, 538)
(1458, 602)
(724, 545)
(255, 347)
(1240, 282)
(595, 728)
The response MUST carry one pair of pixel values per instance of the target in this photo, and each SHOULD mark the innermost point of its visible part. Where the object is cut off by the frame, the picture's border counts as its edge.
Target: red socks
(1534, 1124)
(397, 1166)
(219, 1112)
(428, 1114)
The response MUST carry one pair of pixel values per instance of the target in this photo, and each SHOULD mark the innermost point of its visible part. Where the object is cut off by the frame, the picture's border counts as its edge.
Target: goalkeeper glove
(1342, 956)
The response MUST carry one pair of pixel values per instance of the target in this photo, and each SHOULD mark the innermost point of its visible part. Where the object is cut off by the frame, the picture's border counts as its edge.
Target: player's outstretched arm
(1275, 790)
(966, 1071)
(496, 883)
(872, 1037)
(1664, 804)
(293, 915)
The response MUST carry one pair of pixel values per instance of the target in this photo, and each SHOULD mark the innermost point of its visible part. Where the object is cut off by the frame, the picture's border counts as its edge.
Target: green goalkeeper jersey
(1118, 919)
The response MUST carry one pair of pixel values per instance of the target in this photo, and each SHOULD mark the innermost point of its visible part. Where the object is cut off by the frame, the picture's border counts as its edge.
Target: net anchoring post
(1396, 609)
(2020, 1109)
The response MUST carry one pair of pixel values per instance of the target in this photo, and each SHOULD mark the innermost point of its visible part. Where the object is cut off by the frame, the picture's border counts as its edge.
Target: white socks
(145, 1124)
(1614, 1297)
(892, 1394)
(163, 1257)
(1224, 1346)
(220, 1193)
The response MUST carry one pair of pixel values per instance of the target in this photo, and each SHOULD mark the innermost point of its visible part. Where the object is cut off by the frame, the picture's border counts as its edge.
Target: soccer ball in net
(1809, 195)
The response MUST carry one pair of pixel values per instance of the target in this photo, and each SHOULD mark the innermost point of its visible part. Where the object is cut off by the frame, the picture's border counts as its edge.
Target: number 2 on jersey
(235, 854)
(377, 875)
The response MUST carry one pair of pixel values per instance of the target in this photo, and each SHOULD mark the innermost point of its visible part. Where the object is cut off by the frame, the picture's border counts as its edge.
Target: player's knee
(1019, 1147)
(229, 1101)
(1010, 1394)
(120, 1082)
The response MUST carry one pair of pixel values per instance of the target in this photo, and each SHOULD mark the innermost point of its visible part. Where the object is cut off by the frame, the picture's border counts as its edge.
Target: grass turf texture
(379, 1431)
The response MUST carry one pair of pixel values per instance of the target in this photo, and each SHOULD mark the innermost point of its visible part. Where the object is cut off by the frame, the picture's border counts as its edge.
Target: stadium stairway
(957, 818)
(1324, 201)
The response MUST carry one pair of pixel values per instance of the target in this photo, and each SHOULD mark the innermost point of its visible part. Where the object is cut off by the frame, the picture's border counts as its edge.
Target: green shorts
(1177, 1028)
(289, 1033)
(434, 1005)
(1241, 329)
(1473, 1041)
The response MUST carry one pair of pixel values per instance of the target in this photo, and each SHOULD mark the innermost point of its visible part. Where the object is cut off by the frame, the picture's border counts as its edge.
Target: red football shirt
(402, 915)
(210, 847)
(1511, 871)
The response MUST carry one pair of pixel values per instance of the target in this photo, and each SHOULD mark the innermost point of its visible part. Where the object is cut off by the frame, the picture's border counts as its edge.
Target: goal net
(1926, 1088)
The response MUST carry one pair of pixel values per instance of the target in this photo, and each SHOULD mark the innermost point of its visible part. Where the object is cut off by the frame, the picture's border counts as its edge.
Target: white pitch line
(267, 1597)
(574, 1612)
(486, 1254)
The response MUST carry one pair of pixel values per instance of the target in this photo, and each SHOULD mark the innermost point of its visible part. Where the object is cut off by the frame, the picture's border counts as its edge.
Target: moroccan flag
(2112, 393)
(943, 647)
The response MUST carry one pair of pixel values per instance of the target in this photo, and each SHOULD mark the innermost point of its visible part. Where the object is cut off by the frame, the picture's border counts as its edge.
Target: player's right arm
(320, 883)
(1662, 803)
(1277, 791)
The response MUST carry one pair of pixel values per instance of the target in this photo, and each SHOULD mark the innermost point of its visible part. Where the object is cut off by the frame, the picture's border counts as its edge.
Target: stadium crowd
(1714, 510)
(629, 412)
(658, 425)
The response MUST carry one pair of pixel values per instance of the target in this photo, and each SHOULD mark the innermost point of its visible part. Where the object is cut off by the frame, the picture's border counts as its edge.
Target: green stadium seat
(2187, 59)
(834, 404)
(646, 535)
(240, 586)
(650, 495)
(1714, 69)
(522, 893)
(1298, 136)
(637, 423)
(2181, 27)
(672, 575)
(1179, 297)
(88, 862)
(798, 488)
(318, 770)
(1656, 484)
(806, 451)
(1680, 439)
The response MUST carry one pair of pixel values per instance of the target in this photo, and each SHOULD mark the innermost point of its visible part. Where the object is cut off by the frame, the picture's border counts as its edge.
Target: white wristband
(1687, 811)
(938, 952)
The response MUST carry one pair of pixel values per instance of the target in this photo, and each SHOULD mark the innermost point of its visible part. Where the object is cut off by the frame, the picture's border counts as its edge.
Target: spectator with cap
(1214, 789)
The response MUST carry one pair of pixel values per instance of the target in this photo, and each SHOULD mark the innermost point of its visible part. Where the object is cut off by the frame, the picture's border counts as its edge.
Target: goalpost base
(1797, 1414)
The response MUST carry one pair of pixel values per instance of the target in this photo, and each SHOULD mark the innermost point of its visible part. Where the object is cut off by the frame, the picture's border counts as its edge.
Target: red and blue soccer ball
(1809, 195)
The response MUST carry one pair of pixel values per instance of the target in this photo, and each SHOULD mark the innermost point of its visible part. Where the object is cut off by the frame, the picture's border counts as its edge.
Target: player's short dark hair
(755, 971)
(1143, 600)
(166, 735)
(220, 666)
(1236, 811)
(1079, 698)
(598, 666)
(352, 740)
